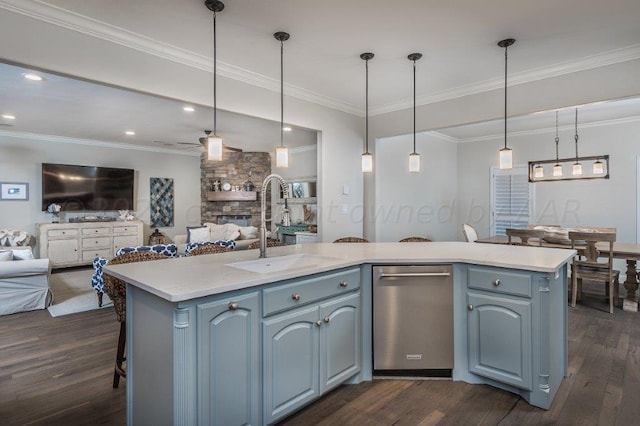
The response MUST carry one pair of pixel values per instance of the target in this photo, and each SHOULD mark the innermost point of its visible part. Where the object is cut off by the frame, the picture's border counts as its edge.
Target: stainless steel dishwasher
(413, 320)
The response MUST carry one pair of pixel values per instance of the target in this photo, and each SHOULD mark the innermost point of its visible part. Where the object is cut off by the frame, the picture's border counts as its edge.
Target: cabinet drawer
(95, 231)
(122, 230)
(308, 290)
(500, 281)
(89, 255)
(98, 242)
(62, 233)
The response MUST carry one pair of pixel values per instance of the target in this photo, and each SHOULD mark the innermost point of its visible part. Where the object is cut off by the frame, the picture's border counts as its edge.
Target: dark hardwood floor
(59, 371)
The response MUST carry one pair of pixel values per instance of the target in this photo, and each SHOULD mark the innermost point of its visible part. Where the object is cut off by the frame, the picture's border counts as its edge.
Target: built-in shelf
(232, 196)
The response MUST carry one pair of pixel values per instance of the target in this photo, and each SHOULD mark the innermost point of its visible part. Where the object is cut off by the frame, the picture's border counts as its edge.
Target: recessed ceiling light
(33, 77)
(8, 116)
(130, 132)
(286, 128)
(189, 109)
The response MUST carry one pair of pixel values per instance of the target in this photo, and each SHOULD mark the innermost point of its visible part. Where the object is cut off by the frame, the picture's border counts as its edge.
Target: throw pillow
(217, 232)
(22, 254)
(6, 255)
(197, 234)
(248, 232)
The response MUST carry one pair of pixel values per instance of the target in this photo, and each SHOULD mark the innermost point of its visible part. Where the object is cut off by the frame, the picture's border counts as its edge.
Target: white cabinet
(306, 237)
(74, 244)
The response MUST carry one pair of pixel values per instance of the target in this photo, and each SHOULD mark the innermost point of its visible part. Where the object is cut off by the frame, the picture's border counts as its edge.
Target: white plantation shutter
(511, 199)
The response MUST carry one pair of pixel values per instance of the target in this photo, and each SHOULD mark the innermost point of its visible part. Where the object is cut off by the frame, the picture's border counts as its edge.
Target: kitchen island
(230, 339)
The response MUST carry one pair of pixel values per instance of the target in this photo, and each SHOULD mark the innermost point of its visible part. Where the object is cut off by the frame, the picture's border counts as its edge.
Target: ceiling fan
(203, 142)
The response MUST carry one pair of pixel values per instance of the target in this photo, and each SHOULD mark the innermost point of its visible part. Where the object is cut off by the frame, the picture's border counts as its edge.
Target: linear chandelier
(539, 170)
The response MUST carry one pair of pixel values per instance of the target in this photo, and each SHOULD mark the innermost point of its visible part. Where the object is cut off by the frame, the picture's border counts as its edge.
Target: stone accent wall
(234, 168)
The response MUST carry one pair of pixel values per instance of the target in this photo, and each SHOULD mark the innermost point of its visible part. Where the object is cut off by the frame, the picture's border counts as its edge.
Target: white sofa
(24, 284)
(242, 235)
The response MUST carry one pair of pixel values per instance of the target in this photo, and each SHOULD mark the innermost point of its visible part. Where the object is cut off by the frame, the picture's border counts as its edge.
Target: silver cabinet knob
(318, 323)
(496, 282)
(470, 307)
(233, 306)
(295, 296)
(327, 319)
(344, 284)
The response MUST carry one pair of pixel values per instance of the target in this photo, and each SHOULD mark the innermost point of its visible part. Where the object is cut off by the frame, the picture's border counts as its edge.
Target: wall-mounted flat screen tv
(87, 188)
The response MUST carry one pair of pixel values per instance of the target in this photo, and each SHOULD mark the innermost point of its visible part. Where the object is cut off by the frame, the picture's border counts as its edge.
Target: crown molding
(94, 143)
(55, 15)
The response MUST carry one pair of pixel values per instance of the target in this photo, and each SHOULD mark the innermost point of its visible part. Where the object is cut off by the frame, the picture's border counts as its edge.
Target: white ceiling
(457, 38)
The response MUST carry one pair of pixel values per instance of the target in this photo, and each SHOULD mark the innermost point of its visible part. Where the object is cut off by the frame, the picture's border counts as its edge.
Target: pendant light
(577, 167)
(598, 167)
(214, 142)
(506, 154)
(367, 157)
(282, 153)
(557, 169)
(414, 157)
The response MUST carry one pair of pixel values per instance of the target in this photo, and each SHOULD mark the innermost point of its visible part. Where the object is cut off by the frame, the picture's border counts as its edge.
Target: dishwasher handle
(384, 275)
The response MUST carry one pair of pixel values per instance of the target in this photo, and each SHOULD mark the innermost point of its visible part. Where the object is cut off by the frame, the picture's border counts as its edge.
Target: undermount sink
(280, 263)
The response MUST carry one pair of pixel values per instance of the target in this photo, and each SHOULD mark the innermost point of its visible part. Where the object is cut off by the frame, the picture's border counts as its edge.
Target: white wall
(602, 202)
(415, 204)
(21, 161)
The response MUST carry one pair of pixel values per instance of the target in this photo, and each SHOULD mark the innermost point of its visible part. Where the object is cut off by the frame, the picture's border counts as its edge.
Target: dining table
(629, 252)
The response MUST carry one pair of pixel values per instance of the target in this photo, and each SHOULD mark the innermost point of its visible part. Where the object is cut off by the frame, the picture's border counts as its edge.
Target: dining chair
(116, 289)
(209, 249)
(522, 236)
(351, 240)
(270, 243)
(586, 265)
(470, 233)
(415, 240)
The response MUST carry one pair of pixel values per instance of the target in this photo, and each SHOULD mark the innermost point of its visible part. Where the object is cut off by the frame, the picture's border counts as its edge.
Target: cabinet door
(500, 338)
(124, 241)
(228, 361)
(63, 251)
(339, 340)
(291, 367)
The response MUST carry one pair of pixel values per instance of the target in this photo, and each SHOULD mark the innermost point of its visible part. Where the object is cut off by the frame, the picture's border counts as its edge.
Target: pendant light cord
(557, 138)
(366, 108)
(505, 96)
(214, 75)
(576, 135)
(281, 92)
(414, 106)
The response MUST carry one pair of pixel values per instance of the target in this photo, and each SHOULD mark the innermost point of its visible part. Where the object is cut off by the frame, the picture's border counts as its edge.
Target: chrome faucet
(263, 209)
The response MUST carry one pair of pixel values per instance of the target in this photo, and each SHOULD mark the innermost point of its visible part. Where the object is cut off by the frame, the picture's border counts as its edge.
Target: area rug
(72, 293)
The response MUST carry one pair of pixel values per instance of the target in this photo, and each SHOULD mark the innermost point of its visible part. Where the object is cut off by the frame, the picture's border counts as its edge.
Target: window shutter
(512, 199)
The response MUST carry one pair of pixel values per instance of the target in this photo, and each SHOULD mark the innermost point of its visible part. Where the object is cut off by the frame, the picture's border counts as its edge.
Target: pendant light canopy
(414, 157)
(214, 142)
(282, 153)
(577, 166)
(367, 157)
(506, 154)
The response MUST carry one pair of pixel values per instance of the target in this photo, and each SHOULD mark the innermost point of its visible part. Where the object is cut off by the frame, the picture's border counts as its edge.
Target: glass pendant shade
(282, 156)
(367, 162)
(506, 158)
(214, 148)
(414, 162)
(598, 168)
(557, 170)
(577, 169)
(538, 171)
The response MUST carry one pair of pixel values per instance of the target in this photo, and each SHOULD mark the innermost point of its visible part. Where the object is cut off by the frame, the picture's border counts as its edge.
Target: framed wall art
(14, 191)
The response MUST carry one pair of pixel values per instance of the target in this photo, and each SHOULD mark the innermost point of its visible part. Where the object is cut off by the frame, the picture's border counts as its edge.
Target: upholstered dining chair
(520, 237)
(586, 265)
(351, 240)
(116, 289)
(415, 240)
(208, 249)
(470, 233)
(270, 243)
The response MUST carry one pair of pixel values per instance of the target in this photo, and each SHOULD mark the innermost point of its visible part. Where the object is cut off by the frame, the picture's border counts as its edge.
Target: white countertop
(185, 278)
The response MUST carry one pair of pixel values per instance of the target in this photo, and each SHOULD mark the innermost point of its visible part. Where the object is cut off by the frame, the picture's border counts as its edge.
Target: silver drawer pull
(318, 323)
(496, 282)
(233, 306)
(295, 296)
(470, 307)
(327, 319)
(344, 284)
(416, 274)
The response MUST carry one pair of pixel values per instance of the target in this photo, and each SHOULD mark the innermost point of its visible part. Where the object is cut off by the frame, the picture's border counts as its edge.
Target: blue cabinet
(308, 351)
(228, 361)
